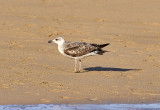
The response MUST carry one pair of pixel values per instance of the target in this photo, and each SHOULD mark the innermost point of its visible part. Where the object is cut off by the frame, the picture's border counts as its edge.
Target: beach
(34, 72)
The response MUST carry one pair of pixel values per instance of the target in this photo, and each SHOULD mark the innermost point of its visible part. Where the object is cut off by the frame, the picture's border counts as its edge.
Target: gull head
(58, 40)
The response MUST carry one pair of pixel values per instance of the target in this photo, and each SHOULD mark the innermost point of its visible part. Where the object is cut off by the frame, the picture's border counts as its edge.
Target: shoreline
(80, 107)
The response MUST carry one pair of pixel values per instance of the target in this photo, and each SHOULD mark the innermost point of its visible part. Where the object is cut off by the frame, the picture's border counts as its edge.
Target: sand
(34, 72)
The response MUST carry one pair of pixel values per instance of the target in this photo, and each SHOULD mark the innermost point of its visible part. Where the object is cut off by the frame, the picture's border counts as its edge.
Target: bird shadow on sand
(98, 68)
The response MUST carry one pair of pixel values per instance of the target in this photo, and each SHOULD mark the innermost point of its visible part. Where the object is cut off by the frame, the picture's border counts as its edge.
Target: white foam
(82, 107)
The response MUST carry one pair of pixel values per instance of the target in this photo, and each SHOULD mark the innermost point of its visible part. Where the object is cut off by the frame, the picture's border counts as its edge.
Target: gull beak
(50, 41)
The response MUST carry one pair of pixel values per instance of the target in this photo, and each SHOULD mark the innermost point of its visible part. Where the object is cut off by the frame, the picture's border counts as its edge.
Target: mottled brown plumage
(76, 49)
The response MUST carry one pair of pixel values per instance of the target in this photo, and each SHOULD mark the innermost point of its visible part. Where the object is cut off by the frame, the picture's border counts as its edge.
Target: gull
(78, 50)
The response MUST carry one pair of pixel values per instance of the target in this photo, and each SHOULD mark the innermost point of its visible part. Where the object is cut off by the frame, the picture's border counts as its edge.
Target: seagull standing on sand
(78, 50)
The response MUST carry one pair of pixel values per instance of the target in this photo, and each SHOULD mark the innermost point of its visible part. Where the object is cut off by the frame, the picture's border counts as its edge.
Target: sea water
(82, 107)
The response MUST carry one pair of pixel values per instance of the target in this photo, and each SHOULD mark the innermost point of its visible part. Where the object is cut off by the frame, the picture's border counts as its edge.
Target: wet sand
(34, 72)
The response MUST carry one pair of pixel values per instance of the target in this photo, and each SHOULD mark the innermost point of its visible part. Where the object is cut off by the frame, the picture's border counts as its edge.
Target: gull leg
(80, 63)
(76, 66)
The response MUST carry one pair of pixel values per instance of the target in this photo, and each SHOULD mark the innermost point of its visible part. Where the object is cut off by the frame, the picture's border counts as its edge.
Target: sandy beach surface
(34, 72)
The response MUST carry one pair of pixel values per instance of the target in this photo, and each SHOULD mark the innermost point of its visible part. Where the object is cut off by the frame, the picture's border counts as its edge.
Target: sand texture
(34, 72)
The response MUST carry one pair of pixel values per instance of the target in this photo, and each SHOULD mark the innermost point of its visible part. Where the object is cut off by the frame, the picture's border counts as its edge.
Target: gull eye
(56, 39)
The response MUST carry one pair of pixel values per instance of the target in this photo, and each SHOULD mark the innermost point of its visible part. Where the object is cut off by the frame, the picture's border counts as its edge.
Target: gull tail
(100, 50)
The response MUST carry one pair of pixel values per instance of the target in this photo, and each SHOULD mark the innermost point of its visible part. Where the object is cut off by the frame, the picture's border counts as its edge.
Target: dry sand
(33, 71)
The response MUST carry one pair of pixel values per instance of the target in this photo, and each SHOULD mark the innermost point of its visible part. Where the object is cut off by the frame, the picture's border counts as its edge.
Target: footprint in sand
(99, 19)
(94, 99)
(4, 86)
(64, 97)
(45, 100)
(31, 93)
(14, 44)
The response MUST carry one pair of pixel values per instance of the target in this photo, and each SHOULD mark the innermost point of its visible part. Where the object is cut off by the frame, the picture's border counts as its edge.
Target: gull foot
(77, 71)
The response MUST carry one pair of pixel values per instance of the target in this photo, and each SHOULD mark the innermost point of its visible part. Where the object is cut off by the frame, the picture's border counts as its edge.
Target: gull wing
(76, 49)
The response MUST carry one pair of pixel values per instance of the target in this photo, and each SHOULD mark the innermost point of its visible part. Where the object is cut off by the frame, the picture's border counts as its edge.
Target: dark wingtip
(103, 45)
(50, 41)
